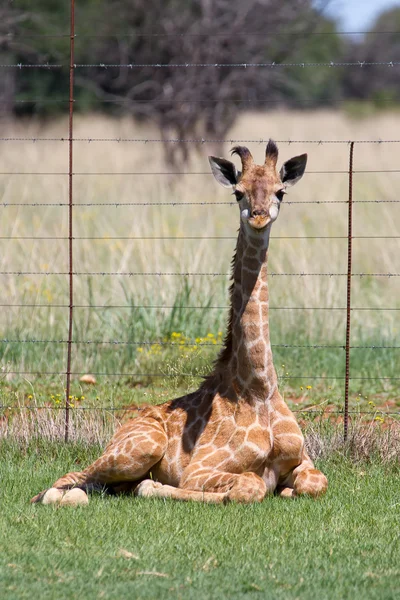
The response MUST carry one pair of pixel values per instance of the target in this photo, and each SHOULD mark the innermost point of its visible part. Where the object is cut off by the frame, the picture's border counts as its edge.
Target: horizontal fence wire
(184, 274)
(162, 307)
(187, 343)
(188, 65)
(203, 140)
(179, 204)
(139, 407)
(193, 237)
(194, 375)
(204, 203)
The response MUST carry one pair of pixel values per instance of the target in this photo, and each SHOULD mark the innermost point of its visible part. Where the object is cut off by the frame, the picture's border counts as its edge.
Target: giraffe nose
(258, 212)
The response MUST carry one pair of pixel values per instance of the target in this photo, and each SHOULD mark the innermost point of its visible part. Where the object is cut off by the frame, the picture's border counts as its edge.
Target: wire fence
(70, 306)
(271, 65)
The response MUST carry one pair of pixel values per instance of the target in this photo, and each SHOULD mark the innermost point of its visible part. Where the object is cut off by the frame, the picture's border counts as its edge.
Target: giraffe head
(259, 189)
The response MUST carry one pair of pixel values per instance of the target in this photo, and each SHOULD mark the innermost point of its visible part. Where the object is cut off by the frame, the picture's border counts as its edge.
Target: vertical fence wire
(70, 215)
(349, 273)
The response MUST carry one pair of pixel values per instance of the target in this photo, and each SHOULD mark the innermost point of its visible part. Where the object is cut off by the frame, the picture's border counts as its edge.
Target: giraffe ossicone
(234, 439)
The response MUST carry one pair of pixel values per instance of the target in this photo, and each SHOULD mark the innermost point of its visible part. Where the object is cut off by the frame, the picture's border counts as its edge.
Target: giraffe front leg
(133, 451)
(153, 489)
(304, 480)
(210, 487)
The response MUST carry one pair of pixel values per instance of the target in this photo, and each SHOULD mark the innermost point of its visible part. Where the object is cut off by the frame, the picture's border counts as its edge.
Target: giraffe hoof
(147, 488)
(74, 497)
(52, 496)
(287, 493)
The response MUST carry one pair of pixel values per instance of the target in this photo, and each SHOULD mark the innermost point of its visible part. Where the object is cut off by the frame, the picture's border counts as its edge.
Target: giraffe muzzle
(259, 221)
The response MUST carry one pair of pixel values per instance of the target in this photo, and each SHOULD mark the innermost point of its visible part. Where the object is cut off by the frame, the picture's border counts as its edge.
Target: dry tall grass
(118, 255)
(367, 440)
(26, 426)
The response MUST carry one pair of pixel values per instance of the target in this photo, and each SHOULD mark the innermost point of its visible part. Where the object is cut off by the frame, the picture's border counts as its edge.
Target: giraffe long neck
(250, 358)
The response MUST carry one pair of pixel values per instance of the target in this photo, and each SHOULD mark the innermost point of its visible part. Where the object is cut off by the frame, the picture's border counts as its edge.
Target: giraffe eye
(280, 194)
(239, 195)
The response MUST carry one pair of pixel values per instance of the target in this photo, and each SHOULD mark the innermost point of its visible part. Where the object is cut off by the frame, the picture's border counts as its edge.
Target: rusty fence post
(349, 275)
(70, 215)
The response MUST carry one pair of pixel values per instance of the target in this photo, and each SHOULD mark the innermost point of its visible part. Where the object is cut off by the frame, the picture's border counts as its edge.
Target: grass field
(345, 545)
(150, 338)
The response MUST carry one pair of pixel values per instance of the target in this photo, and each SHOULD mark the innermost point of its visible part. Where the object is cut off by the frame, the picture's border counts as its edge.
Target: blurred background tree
(381, 86)
(187, 102)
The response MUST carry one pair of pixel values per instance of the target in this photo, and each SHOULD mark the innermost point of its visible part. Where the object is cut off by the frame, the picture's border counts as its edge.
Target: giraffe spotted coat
(234, 439)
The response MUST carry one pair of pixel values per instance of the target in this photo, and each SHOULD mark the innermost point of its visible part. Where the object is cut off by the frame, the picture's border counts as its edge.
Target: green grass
(345, 545)
(186, 350)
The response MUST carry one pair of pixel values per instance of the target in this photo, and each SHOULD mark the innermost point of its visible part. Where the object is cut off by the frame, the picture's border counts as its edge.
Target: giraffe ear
(224, 171)
(293, 170)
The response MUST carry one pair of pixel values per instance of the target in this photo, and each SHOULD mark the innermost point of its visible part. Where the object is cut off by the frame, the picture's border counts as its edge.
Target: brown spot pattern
(234, 439)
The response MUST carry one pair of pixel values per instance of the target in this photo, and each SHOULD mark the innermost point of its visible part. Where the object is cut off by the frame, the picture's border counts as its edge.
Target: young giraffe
(234, 438)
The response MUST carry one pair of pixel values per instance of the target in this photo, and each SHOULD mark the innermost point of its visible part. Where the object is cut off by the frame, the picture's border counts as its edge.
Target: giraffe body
(235, 451)
(234, 439)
